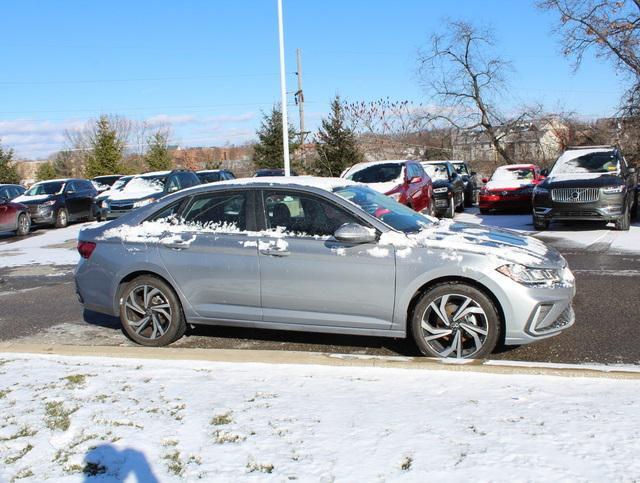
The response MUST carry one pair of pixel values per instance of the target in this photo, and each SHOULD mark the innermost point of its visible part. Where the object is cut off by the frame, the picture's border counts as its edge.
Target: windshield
(461, 168)
(378, 173)
(121, 183)
(436, 171)
(513, 174)
(387, 210)
(52, 188)
(210, 177)
(601, 162)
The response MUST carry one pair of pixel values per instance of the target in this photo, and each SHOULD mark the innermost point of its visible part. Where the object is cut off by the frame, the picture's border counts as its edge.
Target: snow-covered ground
(62, 418)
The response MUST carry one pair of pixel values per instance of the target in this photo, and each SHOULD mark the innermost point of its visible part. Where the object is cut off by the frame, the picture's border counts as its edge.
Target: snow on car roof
(153, 173)
(516, 166)
(60, 180)
(327, 184)
(208, 171)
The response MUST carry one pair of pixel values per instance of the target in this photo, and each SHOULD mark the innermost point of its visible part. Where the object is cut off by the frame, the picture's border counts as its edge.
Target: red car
(13, 216)
(403, 180)
(510, 188)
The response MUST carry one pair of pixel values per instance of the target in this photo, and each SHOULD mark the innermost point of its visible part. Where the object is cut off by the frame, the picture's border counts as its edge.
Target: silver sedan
(321, 255)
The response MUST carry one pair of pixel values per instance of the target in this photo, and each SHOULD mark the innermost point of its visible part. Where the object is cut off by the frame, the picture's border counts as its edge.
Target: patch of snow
(378, 252)
(184, 421)
(138, 188)
(23, 197)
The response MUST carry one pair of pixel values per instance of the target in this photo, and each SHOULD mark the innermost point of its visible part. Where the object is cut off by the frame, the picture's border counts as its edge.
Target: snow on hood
(457, 238)
(138, 188)
(384, 188)
(505, 184)
(24, 198)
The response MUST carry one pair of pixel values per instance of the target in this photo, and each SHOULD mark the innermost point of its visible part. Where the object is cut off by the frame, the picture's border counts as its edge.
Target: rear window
(378, 173)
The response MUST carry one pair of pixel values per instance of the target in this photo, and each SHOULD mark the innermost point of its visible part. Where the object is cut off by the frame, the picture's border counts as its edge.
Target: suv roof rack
(593, 146)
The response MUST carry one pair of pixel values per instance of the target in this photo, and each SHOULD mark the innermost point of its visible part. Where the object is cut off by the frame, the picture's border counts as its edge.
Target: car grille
(564, 319)
(575, 195)
(577, 213)
(121, 206)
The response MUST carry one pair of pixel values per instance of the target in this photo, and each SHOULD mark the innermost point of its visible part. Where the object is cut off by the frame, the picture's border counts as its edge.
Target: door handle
(177, 245)
(275, 253)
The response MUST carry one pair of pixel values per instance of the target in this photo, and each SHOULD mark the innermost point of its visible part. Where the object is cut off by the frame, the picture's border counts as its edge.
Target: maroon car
(13, 216)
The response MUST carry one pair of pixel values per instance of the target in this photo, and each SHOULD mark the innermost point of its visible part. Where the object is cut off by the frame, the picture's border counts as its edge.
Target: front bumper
(606, 208)
(441, 202)
(42, 215)
(505, 202)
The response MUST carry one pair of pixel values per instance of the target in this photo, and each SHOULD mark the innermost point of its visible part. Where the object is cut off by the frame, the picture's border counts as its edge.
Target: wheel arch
(450, 280)
(141, 272)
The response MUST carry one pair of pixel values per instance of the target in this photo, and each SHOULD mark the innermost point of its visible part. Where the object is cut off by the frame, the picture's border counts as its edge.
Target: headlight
(143, 202)
(611, 190)
(540, 191)
(105, 204)
(536, 277)
(441, 190)
(395, 196)
(48, 203)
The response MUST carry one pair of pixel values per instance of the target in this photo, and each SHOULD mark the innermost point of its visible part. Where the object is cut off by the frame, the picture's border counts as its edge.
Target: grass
(12, 459)
(174, 464)
(25, 473)
(261, 467)
(222, 419)
(406, 463)
(23, 432)
(221, 437)
(57, 416)
(4, 392)
(75, 380)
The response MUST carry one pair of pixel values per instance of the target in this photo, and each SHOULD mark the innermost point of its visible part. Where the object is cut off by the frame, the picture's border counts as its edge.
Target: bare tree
(467, 82)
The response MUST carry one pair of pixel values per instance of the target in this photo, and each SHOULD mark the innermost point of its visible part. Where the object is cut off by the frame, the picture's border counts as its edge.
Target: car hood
(582, 180)
(456, 239)
(507, 185)
(33, 200)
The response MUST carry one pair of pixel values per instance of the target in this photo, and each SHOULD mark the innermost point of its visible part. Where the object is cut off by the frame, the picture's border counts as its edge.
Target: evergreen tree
(46, 171)
(64, 164)
(8, 172)
(106, 152)
(336, 143)
(268, 153)
(158, 157)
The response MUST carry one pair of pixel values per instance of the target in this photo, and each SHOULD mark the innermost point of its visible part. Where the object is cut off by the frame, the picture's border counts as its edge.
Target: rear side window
(5, 193)
(188, 179)
(173, 184)
(226, 210)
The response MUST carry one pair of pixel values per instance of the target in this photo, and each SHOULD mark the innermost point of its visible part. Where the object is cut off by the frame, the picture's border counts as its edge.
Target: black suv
(587, 183)
(59, 201)
(214, 175)
(147, 188)
(448, 187)
(470, 181)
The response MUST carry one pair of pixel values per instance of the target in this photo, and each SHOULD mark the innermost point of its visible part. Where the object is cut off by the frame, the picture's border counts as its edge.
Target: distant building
(539, 141)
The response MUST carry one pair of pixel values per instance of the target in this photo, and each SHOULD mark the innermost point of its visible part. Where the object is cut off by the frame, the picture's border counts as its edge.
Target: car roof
(444, 161)
(59, 180)
(517, 166)
(205, 171)
(10, 184)
(153, 173)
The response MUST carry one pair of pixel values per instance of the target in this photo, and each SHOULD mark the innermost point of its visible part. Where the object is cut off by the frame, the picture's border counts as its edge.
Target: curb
(325, 359)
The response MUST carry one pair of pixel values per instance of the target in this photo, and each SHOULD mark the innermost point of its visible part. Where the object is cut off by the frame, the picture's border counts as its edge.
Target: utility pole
(300, 100)
(283, 95)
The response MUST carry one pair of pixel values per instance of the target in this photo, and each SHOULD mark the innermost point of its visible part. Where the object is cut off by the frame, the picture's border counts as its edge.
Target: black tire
(451, 209)
(634, 207)
(489, 321)
(175, 325)
(24, 225)
(62, 218)
(468, 199)
(484, 211)
(462, 204)
(540, 224)
(624, 223)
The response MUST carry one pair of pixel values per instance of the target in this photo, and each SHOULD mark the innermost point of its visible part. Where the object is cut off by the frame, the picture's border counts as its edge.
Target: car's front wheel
(455, 320)
(24, 225)
(62, 218)
(540, 223)
(150, 312)
(624, 223)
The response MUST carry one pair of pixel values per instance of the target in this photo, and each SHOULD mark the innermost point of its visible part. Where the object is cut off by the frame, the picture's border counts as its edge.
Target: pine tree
(8, 172)
(336, 143)
(106, 152)
(268, 153)
(46, 171)
(158, 157)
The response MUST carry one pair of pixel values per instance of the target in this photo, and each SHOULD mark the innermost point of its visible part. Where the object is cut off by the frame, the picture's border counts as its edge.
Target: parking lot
(39, 303)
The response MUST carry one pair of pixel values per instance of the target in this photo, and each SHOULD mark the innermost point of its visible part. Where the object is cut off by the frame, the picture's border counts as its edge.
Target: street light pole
(283, 95)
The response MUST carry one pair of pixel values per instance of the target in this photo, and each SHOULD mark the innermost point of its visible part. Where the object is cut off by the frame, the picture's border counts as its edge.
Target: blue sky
(210, 67)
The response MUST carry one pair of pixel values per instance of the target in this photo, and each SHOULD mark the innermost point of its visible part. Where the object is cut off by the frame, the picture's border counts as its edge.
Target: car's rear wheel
(468, 200)
(624, 223)
(540, 224)
(62, 218)
(451, 209)
(455, 320)
(24, 225)
(150, 312)
(462, 203)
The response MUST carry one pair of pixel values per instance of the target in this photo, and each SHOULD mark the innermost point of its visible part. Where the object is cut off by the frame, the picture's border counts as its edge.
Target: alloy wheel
(455, 325)
(148, 312)
(23, 224)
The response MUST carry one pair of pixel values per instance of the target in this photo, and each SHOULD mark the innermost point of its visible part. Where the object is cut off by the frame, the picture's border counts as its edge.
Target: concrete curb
(324, 359)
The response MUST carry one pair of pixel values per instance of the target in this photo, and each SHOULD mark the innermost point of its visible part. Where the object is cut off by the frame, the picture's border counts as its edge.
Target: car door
(310, 279)
(456, 181)
(214, 259)
(73, 200)
(7, 214)
(86, 195)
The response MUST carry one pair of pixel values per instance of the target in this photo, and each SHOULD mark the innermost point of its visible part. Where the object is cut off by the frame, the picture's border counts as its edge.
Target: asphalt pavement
(38, 305)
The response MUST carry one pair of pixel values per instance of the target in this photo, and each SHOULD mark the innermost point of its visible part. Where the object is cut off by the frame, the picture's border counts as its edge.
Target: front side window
(303, 214)
(51, 188)
(461, 168)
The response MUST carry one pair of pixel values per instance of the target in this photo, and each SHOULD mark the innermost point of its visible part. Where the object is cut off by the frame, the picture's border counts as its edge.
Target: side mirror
(485, 180)
(416, 179)
(355, 234)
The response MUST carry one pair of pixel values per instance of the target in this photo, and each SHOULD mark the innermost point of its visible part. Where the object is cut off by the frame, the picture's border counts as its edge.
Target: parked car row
(58, 202)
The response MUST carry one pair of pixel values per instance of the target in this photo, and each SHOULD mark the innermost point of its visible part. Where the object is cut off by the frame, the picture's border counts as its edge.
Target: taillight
(85, 248)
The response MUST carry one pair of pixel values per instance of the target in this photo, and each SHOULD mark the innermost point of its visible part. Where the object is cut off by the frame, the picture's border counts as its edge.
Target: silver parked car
(321, 255)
